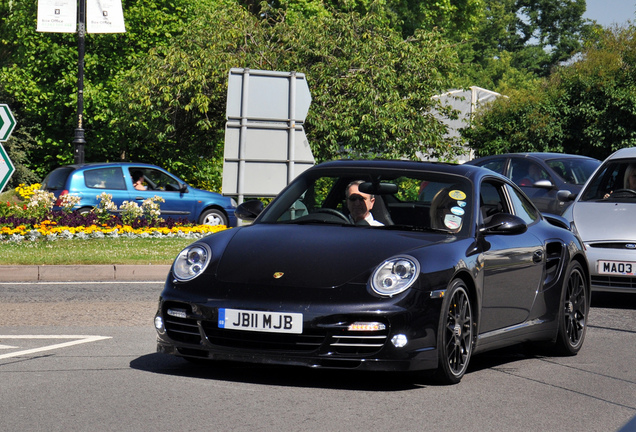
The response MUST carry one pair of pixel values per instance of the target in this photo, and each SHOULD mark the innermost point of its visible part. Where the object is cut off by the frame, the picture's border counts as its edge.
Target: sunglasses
(354, 198)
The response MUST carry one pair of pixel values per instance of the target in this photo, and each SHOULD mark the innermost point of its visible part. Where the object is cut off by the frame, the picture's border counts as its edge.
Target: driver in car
(360, 205)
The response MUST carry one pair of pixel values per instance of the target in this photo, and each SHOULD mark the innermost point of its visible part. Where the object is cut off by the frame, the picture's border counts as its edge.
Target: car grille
(615, 282)
(184, 330)
(333, 341)
(614, 245)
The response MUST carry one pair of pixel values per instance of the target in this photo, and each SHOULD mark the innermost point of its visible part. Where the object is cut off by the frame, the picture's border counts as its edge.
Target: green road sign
(7, 122)
(6, 168)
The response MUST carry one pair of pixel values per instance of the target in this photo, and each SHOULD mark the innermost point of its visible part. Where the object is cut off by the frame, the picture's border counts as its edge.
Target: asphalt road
(81, 356)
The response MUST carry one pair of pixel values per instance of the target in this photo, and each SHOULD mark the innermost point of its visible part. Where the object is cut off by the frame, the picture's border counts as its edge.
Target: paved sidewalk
(83, 273)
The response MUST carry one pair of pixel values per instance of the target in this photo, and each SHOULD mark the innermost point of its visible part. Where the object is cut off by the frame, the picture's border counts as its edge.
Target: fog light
(159, 323)
(366, 326)
(399, 341)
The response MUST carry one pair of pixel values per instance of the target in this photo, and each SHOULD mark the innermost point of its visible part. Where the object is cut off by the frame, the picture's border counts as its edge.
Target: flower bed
(34, 220)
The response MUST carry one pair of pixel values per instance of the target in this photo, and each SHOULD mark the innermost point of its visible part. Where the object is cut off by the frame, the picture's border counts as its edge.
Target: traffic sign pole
(79, 140)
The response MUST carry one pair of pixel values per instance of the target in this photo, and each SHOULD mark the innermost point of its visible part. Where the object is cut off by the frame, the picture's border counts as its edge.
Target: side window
(491, 200)
(526, 173)
(157, 180)
(105, 178)
(522, 206)
(496, 165)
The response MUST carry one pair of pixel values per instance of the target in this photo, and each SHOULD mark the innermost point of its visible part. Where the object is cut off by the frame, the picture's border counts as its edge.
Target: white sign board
(57, 16)
(60, 16)
(104, 16)
(265, 143)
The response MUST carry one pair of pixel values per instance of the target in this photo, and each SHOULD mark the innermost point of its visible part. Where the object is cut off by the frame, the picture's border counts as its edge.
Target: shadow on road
(313, 378)
(610, 300)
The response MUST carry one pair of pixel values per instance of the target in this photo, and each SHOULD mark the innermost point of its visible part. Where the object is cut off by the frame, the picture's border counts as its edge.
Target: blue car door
(179, 203)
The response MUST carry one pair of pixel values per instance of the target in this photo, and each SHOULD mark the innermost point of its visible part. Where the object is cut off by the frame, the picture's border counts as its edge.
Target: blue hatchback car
(116, 178)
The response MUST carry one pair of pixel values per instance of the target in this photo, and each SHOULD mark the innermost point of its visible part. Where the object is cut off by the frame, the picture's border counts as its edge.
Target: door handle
(537, 256)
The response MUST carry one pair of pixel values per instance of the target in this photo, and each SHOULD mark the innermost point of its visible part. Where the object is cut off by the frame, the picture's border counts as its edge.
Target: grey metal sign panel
(265, 144)
(267, 95)
(266, 162)
(271, 179)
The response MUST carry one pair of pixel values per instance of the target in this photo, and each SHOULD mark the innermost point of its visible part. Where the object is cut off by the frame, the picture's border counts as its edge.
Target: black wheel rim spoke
(459, 320)
(575, 308)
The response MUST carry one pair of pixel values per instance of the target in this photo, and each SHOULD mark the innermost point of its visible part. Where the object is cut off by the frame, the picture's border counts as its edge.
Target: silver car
(604, 215)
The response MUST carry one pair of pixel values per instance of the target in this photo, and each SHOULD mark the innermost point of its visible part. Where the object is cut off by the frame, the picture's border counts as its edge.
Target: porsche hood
(301, 256)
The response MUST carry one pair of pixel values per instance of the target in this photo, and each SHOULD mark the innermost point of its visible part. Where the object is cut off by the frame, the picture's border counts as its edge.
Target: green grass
(93, 251)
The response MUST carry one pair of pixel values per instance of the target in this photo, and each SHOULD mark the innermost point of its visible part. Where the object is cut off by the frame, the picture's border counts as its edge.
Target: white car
(604, 215)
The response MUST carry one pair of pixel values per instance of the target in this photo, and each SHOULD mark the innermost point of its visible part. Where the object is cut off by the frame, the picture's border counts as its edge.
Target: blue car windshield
(420, 201)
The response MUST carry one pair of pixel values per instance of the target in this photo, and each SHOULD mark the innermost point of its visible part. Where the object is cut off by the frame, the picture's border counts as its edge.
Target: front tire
(455, 334)
(213, 217)
(574, 309)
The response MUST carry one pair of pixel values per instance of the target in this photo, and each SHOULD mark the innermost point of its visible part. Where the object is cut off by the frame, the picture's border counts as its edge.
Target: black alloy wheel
(455, 336)
(574, 310)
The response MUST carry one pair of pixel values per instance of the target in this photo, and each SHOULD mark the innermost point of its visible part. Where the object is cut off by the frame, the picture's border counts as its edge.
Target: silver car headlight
(395, 275)
(192, 261)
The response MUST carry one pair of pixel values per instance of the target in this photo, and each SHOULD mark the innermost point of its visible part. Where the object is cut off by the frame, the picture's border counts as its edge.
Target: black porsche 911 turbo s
(453, 260)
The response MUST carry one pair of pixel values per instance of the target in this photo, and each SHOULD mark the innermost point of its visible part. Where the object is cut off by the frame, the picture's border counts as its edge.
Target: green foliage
(371, 88)
(519, 40)
(38, 72)
(587, 107)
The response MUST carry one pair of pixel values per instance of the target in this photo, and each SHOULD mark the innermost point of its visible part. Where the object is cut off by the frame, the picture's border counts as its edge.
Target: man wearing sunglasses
(360, 205)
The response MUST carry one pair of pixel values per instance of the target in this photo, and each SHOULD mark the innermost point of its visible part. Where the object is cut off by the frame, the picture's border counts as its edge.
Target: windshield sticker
(452, 221)
(457, 211)
(461, 203)
(457, 195)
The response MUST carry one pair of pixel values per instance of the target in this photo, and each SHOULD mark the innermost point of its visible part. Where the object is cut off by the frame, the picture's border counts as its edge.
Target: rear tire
(574, 309)
(455, 334)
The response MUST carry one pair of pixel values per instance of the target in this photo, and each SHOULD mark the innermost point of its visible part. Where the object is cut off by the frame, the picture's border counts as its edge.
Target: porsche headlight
(395, 275)
(191, 261)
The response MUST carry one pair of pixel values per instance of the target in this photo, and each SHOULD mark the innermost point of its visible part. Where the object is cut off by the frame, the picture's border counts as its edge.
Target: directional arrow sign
(267, 95)
(7, 122)
(6, 168)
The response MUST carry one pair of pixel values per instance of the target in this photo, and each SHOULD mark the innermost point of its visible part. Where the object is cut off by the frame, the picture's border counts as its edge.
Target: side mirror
(504, 223)
(566, 195)
(543, 184)
(249, 210)
(183, 188)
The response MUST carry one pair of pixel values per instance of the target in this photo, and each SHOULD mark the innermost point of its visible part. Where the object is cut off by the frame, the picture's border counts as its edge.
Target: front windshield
(574, 171)
(615, 181)
(422, 201)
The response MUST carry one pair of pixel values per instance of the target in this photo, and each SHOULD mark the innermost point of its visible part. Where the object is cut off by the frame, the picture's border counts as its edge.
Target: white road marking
(77, 339)
(7, 347)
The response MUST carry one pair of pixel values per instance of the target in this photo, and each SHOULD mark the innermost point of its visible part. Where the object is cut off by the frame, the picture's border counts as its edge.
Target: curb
(83, 273)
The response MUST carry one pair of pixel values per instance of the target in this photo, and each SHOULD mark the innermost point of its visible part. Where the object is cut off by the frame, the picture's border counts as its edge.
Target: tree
(587, 107)
(38, 72)
(522, 39)
(371, 88)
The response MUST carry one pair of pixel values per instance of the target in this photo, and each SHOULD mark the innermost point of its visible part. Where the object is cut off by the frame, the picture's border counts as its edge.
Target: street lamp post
(79, 140)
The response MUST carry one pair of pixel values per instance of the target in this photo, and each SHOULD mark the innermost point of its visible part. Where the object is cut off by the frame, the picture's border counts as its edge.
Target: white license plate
(273, 322)
(626, 268)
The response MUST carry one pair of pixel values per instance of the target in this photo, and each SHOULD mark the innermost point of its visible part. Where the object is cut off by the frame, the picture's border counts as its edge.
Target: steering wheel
(332, 212)
(628, 191)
